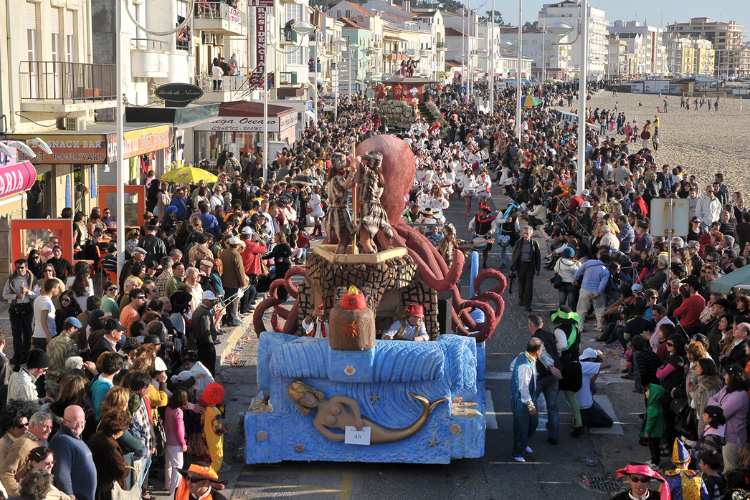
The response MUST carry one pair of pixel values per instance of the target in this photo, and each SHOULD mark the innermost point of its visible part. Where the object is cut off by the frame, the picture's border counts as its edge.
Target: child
(654, 423)
(711, 465)
(174, 428)
(213, 423)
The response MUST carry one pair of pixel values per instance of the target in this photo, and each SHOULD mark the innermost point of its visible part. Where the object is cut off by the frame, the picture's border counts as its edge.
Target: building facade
(727, 38)
(643, 46)
(568, 12)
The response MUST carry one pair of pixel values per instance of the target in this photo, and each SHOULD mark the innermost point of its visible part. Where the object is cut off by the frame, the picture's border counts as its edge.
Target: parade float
(329, 389)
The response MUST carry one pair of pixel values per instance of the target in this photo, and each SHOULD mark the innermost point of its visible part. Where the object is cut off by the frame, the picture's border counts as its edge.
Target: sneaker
(528, 450)
(519, 458)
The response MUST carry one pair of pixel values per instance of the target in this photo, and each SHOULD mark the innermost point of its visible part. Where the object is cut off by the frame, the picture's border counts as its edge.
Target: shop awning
(725, 284)
(186, 117)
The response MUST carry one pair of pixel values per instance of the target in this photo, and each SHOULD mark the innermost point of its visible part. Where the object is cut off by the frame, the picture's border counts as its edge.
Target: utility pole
(582, 76)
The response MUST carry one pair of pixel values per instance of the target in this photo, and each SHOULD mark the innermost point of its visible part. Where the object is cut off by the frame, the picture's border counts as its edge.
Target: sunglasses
(639, 479)
(670, 344)
(112, 289)
(22, 425)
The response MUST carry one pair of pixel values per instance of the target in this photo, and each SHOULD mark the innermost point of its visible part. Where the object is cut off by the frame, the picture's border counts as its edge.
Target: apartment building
(547, 54)
(568, 12)
(727, 38)
(643, 45)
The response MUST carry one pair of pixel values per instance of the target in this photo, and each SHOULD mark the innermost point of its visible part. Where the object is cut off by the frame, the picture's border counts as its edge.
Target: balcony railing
(67, 81)
(148, 44)
(219, 10)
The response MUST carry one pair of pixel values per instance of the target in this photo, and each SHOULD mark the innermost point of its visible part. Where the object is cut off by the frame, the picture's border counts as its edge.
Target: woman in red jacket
(251, 258)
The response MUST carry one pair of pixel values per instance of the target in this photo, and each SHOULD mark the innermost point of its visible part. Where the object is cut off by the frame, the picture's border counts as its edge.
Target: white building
(548, 53)
(644, 45)
(569, 12)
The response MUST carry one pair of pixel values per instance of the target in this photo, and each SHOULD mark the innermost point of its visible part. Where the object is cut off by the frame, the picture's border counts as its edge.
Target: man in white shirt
(44, 314)
(709, 207)
(22, 384)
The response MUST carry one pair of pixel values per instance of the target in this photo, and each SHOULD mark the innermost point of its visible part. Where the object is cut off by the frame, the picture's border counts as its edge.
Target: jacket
(594, 276)
(735, 406)
(111, 465)
(251, 257)
(234, 269)
(12, 461)
(536, 255)
(155, 248)
(654, 425)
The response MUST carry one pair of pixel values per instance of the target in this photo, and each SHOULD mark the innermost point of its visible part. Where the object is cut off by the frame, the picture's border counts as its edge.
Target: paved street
(574, 469)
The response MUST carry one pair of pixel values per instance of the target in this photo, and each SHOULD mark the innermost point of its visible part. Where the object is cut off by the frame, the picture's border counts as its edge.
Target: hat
(140, 250)
(37, 359)
(680, 454)
(246, 230)
(585, 204)
(213, 394)
(74, 363)
(569, 252)
(159, 365)
(588, 353)
(208, 295)
(203, 472)
(415, 310)
(73, 321)
(646, 471)
(636, 288)
(234, 241)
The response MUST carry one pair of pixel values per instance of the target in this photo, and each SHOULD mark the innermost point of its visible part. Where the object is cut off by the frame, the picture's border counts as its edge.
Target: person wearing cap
(59, 349)
(110, 341)
(233, 278)
(199, 482)
(592, 415)
(691, 307)
(22, 384)
(410, 328)
(203, 330)
(638, 478)
(683, 482)
(137, 256)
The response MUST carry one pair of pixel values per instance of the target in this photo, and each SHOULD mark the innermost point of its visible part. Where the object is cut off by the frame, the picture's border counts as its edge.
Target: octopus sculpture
(399, 170)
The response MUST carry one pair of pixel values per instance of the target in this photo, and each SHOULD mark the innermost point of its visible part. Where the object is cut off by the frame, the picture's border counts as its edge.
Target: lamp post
(518, 71)
(491, 69)
(303, 29)
(582, 74)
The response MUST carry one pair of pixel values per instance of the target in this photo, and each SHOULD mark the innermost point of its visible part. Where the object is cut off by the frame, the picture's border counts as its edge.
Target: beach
(703, 142)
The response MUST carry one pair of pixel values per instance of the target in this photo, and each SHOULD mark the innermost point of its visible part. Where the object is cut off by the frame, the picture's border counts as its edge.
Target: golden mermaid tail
(380, 434)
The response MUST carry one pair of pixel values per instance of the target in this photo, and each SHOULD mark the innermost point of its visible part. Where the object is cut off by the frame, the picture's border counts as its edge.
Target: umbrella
(725, 284)
(531, 102)
(189, 175)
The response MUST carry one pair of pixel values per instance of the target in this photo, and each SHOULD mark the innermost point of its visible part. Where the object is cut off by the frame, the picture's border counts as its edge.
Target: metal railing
(148, 44)
(67, 81)
(219, 10)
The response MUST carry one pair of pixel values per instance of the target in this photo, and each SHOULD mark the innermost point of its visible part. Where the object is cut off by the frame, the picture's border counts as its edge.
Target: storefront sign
(249, 124)
(140, 141)
(78, 149)
(178, 95)
(16, 178)
(260, 38)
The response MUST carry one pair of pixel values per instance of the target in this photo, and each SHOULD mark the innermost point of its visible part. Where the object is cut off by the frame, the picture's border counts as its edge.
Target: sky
(656, 12)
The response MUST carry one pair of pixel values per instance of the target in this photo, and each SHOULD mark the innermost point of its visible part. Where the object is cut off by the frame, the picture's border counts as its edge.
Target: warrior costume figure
(373, 217)
(338, 221)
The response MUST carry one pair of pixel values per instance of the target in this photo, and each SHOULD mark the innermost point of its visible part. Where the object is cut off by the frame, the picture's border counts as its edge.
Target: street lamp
(303, 29)
(518, 72)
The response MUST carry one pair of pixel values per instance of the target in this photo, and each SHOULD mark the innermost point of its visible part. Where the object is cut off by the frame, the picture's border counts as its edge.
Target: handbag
(132, 489)
(556, 281)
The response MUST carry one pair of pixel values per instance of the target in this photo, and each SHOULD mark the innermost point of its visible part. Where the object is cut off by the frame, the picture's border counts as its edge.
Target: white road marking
(490, 417)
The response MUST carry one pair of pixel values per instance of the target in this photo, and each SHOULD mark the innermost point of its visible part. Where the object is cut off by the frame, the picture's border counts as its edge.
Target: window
(294, 11)
(55, 46)
(295, 57)
(31, 44)
(69, 48)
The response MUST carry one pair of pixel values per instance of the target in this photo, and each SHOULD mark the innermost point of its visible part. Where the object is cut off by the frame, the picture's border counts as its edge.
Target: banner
(260, 38)
(16, 178)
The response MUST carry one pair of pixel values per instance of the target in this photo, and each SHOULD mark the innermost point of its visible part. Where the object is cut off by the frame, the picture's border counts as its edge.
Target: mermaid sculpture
(341, 411)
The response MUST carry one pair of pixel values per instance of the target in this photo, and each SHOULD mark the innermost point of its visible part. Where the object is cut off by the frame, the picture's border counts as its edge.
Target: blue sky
(655, 12)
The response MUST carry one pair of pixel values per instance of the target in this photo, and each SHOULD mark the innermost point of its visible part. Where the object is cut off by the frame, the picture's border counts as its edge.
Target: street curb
(234, 337)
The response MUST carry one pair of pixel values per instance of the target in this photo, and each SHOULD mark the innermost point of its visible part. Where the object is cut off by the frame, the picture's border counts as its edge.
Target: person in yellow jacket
(199, 482)
(213, 423)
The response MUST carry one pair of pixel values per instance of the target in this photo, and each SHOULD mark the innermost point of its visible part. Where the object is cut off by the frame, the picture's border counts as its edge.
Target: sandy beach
(703, 142)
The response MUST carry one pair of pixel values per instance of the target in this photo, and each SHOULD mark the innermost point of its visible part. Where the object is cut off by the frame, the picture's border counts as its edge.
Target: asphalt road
(574, 469)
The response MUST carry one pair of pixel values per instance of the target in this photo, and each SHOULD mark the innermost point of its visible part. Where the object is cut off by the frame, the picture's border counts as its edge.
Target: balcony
(232, 88)
(219, 17)
(149, 58)
(66, 87)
